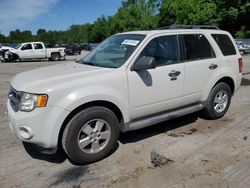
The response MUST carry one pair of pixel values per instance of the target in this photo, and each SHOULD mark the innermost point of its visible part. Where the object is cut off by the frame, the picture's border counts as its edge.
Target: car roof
(175, 31)
(31, 42)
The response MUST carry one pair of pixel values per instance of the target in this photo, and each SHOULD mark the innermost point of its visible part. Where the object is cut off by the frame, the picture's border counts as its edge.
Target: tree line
(230, 15)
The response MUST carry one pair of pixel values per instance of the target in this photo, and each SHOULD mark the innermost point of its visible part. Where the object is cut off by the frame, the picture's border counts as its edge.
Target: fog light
(25, 132)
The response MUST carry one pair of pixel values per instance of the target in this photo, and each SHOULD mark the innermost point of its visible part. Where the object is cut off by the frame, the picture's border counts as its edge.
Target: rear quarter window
(197, 47)
(225, 44)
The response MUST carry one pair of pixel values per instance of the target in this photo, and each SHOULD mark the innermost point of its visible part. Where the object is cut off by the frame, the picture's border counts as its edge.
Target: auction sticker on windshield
(130, 42)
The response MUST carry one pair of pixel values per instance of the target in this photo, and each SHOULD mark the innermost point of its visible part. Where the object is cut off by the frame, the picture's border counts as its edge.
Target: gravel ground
(203, 153)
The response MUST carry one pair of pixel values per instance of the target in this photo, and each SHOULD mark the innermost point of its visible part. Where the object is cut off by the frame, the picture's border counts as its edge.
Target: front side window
(225, 44)
(27, 47)
(197, 47)
(163, 49)
(114, 51)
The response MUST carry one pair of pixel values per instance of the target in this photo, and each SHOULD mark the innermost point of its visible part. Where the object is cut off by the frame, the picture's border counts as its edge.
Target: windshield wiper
(86, 63)
(89, 63)
(93, 64)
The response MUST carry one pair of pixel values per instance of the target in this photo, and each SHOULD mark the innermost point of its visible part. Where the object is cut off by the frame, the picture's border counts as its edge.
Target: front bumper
(40, 127)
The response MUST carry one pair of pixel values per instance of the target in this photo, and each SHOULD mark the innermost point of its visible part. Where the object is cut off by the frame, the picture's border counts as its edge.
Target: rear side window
(225, 44)
(197, 47)
(38, 46)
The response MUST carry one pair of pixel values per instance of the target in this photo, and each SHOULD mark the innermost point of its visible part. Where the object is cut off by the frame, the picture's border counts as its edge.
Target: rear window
(225, 44)
(38, 46)
(197, 47)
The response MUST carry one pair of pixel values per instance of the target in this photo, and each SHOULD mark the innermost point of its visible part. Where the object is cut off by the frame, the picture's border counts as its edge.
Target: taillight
(240, 65)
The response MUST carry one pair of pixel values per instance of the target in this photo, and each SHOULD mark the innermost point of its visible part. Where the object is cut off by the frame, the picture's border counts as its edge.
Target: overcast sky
(52, 14)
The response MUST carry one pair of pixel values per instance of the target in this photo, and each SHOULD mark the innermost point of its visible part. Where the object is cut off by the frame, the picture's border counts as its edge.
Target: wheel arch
(227, 80)
(57, 53)
(212, 83)
(16, 56)
(114, 108)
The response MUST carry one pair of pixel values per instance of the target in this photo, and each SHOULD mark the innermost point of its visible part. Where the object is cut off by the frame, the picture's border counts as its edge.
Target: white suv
(130, 81)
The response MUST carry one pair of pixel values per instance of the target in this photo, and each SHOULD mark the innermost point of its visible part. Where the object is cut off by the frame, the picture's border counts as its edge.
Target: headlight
(30, 101)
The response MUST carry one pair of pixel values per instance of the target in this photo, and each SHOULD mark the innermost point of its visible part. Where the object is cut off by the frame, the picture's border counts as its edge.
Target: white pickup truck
(35, 50)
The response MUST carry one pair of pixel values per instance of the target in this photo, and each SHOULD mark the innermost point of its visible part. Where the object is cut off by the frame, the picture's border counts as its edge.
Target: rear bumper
(238, 83)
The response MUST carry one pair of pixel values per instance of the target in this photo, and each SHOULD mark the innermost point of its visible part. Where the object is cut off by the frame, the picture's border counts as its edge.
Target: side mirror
(144, 63)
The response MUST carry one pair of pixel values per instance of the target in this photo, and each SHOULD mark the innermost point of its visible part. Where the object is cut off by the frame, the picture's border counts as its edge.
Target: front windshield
(18, 46)
(114, 51)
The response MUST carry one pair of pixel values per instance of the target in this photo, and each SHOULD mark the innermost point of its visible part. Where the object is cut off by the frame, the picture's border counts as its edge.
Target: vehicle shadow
(60, 156)
(125, 138)
(35, 152)
(137, 135)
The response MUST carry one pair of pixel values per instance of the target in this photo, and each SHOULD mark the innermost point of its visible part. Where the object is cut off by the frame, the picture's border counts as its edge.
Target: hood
(45, 79)
(6, 48)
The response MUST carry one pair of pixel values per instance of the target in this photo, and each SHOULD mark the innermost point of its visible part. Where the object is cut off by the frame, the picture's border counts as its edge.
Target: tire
(80, 137)
(55, 56)
(218, 101)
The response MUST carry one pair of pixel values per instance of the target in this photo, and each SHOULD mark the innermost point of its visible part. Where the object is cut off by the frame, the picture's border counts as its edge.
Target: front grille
(15, 98)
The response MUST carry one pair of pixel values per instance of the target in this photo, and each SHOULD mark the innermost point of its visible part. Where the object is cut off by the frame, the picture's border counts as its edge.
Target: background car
(73, 49)
(243, 48)
(86, 46)
(5, 48)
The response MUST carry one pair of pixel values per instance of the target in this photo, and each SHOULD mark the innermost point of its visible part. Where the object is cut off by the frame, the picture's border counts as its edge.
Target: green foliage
(135, 15)
(100, 30)
(243, 33)
(230, 15)
(188, 12)
(2, 38)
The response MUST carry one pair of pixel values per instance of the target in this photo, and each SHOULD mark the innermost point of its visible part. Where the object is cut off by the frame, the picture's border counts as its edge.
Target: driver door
(157, 90)
(26, 51)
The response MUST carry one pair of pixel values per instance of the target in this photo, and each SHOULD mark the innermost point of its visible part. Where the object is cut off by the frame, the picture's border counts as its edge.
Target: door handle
(213, 66)
(174, 73)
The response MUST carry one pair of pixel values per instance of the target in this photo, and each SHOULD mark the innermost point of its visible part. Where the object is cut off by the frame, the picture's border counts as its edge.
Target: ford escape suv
(130, 81)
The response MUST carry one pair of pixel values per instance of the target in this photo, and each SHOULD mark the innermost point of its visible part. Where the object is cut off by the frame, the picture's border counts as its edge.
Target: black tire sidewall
(210, 112)
(71, 138)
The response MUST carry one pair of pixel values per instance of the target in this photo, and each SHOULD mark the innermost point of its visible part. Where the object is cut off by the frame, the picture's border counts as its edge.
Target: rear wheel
(91, 135)
(218, 101)
(55, 56)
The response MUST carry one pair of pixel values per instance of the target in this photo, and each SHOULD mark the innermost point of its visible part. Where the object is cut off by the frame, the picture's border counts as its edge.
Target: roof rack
(175, 26)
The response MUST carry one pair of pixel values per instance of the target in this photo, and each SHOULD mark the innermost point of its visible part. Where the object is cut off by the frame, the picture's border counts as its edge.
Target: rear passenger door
(200, 64)
(39, 51)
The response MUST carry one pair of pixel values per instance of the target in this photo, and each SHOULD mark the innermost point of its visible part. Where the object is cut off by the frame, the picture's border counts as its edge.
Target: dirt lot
(204, 153)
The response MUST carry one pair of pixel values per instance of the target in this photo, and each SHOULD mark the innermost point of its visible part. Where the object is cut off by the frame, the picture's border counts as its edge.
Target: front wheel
(91, 135)
(218, 101)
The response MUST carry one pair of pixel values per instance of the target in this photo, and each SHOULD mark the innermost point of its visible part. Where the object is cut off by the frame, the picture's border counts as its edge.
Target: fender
(12, 56)
(92, 93)
(227, 72)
